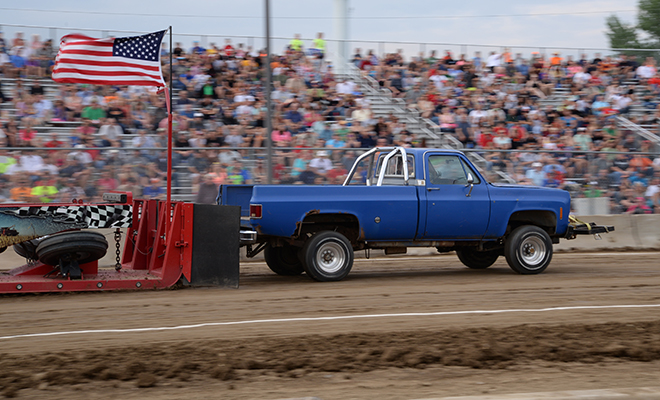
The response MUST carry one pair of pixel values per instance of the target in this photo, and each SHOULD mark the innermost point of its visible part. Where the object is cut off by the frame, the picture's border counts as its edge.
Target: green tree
(644, 35)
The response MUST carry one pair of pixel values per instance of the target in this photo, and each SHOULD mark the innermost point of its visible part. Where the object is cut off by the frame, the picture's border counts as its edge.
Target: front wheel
(328, 256)
(528, 250)
(477, 259)
(283, 260)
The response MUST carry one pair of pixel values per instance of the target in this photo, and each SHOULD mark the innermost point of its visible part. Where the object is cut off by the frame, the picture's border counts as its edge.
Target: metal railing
(639, 130)
(381, 47)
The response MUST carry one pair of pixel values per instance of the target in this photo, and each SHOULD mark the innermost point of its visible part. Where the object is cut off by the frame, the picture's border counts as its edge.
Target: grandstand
(499, 133)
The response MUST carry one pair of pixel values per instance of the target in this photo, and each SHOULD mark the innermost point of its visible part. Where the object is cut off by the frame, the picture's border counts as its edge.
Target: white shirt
(32, 163)
(438, 81)
(494, 60)
(111, 132)
(347, 87)
(323, 165)
(361, 114)
(652, 190)
(50, 168)
(229, 156)
(239, 98)
(476, 116)
(581, 77)
(14, 169)
(43, 107)
(82, 156)
(244, 109)
(622, 102)
(645, 71)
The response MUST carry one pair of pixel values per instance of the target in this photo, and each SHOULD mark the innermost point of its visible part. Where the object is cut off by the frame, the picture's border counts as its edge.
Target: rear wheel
(477, 259)
(528, 250)
(80, 246)
(328, 256)
(283, 260)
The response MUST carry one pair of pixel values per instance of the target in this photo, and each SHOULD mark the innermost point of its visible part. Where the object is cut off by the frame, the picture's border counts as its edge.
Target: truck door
(452, 210)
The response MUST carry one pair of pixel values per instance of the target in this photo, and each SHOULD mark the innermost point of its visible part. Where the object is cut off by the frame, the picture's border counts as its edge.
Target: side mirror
(470, 183)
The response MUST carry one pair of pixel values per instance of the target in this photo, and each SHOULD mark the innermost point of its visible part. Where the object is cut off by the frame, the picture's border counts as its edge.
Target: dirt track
(398, 357)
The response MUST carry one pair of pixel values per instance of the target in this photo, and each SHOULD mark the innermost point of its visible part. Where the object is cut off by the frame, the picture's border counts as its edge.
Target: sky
(460, 26)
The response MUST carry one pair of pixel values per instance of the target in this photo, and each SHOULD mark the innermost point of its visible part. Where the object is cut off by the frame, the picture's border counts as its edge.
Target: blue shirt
(294, 116)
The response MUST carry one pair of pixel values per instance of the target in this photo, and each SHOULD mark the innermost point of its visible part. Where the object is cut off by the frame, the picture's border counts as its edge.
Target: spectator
(238, 175)
(321, 164)
(208, 190)
(154, 190)
(94, 112)
(536, 174)
(22, 192)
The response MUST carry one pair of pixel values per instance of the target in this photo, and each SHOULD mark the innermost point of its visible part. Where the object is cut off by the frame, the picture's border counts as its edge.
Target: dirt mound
(293, 357)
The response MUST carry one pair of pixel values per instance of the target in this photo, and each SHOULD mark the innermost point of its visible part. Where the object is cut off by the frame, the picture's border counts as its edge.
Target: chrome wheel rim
(532, 252)
(330, 257)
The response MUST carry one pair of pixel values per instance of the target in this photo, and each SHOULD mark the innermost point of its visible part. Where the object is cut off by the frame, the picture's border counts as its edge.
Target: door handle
(432, 188)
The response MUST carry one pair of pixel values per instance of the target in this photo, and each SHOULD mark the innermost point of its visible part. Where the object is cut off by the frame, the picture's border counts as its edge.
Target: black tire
(328, 256)
(283, 260)
(28, 249)
(82, 246)
(474, 259)
(528, 250)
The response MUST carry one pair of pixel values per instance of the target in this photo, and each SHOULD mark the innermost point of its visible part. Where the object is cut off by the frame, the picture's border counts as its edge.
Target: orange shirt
(22, 194)
(556, 60)
(640, 162)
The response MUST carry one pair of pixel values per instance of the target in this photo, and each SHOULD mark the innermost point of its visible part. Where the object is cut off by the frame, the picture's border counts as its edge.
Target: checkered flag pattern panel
(95, 216)
(107, 216)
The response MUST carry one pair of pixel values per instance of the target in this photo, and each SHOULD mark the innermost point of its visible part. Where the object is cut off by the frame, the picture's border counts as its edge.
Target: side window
(469, 170)
(394, 167)
(446, 170)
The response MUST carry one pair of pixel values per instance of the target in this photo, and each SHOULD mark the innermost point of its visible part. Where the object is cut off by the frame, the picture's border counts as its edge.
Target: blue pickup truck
(394, 198)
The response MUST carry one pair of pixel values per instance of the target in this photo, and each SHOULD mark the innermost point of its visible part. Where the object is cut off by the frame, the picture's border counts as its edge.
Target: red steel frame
(157, 251)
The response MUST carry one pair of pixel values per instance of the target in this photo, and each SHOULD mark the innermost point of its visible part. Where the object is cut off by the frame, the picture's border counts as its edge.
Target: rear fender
(346, 224)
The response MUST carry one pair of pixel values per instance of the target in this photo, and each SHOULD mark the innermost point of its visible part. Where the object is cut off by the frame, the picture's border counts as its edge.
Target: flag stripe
(92, 42)
(92, 53)
(102, 64)
(110, 61)
(102, 73)
(101, 81)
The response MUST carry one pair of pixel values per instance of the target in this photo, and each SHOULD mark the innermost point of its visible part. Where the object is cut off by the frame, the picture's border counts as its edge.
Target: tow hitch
(577, 227)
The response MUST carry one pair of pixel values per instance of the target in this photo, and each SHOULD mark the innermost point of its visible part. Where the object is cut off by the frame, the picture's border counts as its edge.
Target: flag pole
(269, 123)
(168, 93)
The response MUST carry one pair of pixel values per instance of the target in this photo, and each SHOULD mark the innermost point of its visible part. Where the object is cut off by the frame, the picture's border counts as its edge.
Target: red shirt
(26, 135)
(53, 143)
(485, 139)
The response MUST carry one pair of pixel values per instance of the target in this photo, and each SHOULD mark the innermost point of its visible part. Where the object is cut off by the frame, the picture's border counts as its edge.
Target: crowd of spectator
(320, 122)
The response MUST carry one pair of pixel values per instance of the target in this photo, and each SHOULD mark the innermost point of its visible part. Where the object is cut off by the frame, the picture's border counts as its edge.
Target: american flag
(131, 60)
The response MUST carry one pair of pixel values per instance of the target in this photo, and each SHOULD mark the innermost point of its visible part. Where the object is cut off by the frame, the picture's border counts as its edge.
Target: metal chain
(117, 246)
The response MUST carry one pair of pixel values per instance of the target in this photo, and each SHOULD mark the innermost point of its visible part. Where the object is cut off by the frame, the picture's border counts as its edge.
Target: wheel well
(546, 220)
(346, 224)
